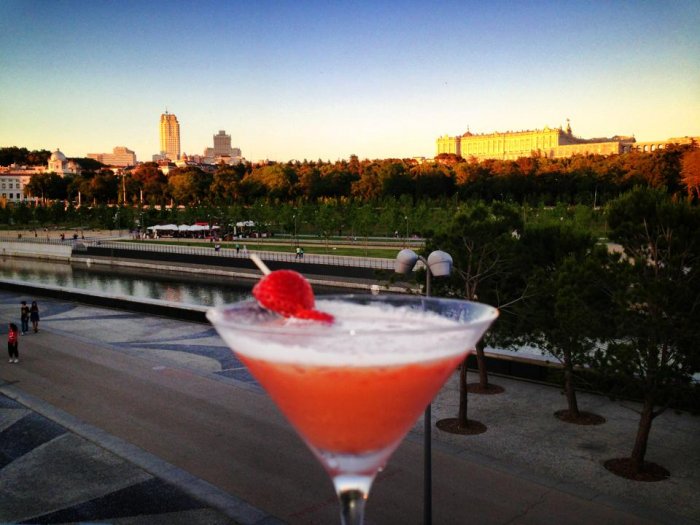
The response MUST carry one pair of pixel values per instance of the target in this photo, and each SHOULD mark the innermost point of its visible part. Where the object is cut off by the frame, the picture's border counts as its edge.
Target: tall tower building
(169, 136)
(222, 144)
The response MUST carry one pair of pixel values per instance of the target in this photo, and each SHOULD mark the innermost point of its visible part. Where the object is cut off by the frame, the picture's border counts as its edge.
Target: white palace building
(13, 179)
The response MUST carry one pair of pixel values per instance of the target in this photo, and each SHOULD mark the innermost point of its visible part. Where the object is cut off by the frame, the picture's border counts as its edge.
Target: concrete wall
(37, 250)
(228, 263)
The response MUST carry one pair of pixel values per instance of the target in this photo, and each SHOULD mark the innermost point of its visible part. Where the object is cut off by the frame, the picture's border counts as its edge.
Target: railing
(398, 242)
(46, 240)
(210, 250)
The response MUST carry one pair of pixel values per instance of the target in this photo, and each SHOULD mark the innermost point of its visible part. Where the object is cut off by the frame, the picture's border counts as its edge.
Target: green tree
(278, 180)
(482, 244)
(88, 164)
(395, 179)
(151, 181)
(566, 312)
(225, 185)
(22, 213)
(656, 292)
(327, 220)
(367, 186)
(364, 222)
(23, 157)
(103, 187)
(41, 186)
(690, 172)
(182, 188)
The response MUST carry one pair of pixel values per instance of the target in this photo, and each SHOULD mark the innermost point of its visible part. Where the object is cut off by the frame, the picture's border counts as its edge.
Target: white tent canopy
(182, 227)
(247, 224)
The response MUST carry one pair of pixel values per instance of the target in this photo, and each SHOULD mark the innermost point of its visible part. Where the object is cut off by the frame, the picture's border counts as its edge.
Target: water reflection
(197, 289)
(170, 286)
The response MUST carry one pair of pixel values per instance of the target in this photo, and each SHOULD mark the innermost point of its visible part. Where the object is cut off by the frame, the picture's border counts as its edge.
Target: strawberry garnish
(314, 315)
(289, 294)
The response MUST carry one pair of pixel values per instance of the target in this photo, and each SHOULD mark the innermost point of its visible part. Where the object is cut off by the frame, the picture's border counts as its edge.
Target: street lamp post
(438, 264)
(296, 242)
(406, 219)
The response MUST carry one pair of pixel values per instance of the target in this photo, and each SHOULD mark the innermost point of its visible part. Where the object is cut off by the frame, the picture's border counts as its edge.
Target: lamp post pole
(439, 263)
(406, 244)
(427, 436)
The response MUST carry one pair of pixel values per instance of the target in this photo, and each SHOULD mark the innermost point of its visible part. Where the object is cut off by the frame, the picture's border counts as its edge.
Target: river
(186, 288)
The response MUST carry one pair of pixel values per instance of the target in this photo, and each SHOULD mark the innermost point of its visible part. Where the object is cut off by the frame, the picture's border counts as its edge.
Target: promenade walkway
(124, 418)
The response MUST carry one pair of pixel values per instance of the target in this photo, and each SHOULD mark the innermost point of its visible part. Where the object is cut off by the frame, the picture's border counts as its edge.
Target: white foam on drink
(362, 335)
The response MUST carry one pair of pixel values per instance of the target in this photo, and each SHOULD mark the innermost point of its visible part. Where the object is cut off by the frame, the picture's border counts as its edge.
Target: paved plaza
(124, 418)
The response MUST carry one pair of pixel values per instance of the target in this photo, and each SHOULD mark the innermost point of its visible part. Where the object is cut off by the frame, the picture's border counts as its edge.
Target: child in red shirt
(12, 337)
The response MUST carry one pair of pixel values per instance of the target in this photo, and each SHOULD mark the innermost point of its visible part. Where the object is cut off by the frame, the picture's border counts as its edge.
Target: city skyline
(313, 80)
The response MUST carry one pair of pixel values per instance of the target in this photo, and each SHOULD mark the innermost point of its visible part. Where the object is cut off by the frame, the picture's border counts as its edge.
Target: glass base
(349, 465)
(352, 476)
(352, 506)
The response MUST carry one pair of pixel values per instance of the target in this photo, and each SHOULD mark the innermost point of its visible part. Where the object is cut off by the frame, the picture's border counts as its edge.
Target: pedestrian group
(27, 314)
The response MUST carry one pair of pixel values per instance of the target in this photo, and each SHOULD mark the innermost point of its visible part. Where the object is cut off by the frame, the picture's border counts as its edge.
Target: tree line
(582, 179)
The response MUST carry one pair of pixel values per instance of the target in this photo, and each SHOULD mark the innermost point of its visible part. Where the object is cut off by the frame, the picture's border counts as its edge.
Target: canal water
(179, 287)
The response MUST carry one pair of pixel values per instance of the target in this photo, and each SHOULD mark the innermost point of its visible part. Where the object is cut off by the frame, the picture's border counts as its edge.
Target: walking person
(24, 317)
(34, 316)
(13, 343)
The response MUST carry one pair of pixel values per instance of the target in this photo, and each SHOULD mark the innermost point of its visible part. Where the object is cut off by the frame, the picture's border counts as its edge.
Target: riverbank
(101, 247)
(55, 233)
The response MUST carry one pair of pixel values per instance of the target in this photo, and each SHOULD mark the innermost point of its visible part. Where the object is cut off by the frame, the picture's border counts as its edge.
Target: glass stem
(352, 506)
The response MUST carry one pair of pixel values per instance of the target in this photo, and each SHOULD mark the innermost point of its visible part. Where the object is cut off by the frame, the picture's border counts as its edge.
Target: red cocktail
(352, 389)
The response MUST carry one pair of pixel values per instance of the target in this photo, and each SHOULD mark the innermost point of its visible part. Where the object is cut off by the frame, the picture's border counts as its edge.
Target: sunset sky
(318, 79)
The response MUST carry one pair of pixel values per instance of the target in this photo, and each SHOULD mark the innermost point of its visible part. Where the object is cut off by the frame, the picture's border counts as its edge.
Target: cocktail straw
(259, 263)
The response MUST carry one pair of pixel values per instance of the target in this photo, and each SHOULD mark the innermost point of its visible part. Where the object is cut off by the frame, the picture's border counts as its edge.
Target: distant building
(169, 136)
(62, 166)
(661, 144)
(13, 179)
(547, 142)
(164, 165)
(120, 156)
(187, 160)
(222, 152)
(222, 143)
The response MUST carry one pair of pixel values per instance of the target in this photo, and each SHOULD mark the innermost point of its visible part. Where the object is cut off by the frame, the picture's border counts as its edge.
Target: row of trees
(388, 217)
(23, 157)
(587, 179)
(629, 320)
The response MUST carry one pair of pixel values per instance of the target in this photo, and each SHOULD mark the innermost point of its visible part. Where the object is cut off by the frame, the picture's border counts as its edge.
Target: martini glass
(353, 389)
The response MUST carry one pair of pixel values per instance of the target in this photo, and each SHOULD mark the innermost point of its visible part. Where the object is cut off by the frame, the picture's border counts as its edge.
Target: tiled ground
(50, 475)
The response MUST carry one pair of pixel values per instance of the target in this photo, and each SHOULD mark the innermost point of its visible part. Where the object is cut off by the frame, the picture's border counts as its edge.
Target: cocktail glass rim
(291, 326)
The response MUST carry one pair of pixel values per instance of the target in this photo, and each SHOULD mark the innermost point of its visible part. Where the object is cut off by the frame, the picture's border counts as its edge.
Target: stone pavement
(61, 460)
(56, 469)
